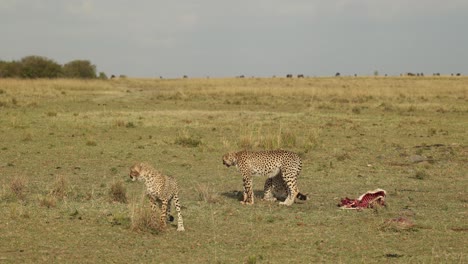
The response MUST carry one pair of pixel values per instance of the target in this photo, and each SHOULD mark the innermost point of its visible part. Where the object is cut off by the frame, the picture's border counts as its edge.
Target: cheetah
(160, 189)
(271, 163)
(276, 187)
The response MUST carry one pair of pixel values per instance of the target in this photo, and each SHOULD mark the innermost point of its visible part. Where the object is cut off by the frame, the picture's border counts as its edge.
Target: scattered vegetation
(91, 143)
(61, 170)
(18, 187)
(143, 219)
(60, 187)
(32, 67)
(207, 194)
(118, 192)
(420, 175)
(48, 201)
(186, 140)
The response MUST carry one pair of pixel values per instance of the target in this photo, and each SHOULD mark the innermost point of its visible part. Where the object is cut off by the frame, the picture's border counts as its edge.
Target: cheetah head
(135, 171)
(230, 159)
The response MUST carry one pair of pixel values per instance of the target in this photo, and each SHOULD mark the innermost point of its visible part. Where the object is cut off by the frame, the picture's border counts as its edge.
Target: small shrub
(441, 110)
(48, 201)
(186, 140)
(52, 114)
(312, 140)
(19, 211)
(254, 259)
(121, 219)
(288, 139)
(27, 137)
(356, 110)
(269, 142)
(206, 194)
(130, 125)
(143, 220)
(246, 142)
(91, 143)
(421, 175)
(114, 170)
(412, 108)
(18, 187)
(431, 132)
(387, 107)
(60, 187)
(120, 123)
(342, 156)
(118, 193)
(398, 224)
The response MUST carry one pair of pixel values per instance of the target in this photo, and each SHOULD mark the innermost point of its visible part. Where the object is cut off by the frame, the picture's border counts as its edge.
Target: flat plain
(66, 147)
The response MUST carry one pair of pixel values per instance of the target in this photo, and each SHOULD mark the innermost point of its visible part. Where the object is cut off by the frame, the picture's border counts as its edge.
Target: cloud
(85, 7)
(232, 37)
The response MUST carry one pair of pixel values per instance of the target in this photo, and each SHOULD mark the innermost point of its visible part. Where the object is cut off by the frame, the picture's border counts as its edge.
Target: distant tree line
(32, 67)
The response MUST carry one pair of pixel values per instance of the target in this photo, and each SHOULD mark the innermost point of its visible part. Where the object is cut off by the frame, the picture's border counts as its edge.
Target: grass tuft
(356, 110)
(398, 224)
(207, 194)
(288, 139)
(421, 175)
(60, 187)
(27, 137)
(118, 193)
(18, 187)
(48, 201)
(143, 219)
(186, 140)
(91, 143)
(130, 125)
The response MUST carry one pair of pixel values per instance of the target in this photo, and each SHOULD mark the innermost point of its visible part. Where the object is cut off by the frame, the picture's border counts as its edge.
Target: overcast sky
(198, 38)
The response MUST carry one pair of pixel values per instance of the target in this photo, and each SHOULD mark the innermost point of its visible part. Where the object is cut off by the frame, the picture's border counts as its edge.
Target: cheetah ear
(136, 166)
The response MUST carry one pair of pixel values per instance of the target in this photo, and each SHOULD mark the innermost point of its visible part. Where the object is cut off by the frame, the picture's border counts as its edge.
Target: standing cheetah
(271, 163)
(159, 188)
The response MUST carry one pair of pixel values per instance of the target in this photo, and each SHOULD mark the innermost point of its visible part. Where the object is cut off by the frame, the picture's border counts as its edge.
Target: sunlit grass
(66, 146)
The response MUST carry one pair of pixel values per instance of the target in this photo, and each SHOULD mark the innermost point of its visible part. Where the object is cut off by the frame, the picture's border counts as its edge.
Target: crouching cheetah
(159, 188)
(276, 187)
(280, 166)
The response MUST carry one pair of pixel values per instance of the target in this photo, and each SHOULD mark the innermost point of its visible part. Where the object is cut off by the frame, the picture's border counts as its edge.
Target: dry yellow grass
(74, 139)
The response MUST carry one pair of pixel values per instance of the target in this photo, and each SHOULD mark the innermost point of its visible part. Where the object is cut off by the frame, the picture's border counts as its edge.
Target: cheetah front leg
(180, 222)
(170, 218)
(248, 191)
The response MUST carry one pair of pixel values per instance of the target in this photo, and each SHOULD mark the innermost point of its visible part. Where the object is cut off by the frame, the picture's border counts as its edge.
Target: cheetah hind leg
(268, 191)
(292, 193)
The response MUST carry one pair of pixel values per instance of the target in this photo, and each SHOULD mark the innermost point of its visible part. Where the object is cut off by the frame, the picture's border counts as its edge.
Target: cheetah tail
(302, 197)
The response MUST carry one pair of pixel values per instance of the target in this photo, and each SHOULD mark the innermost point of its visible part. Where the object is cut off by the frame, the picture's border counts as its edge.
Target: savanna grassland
(66, 147)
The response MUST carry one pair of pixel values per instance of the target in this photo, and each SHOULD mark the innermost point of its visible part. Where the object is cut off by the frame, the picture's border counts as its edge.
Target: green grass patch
(66, 146)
